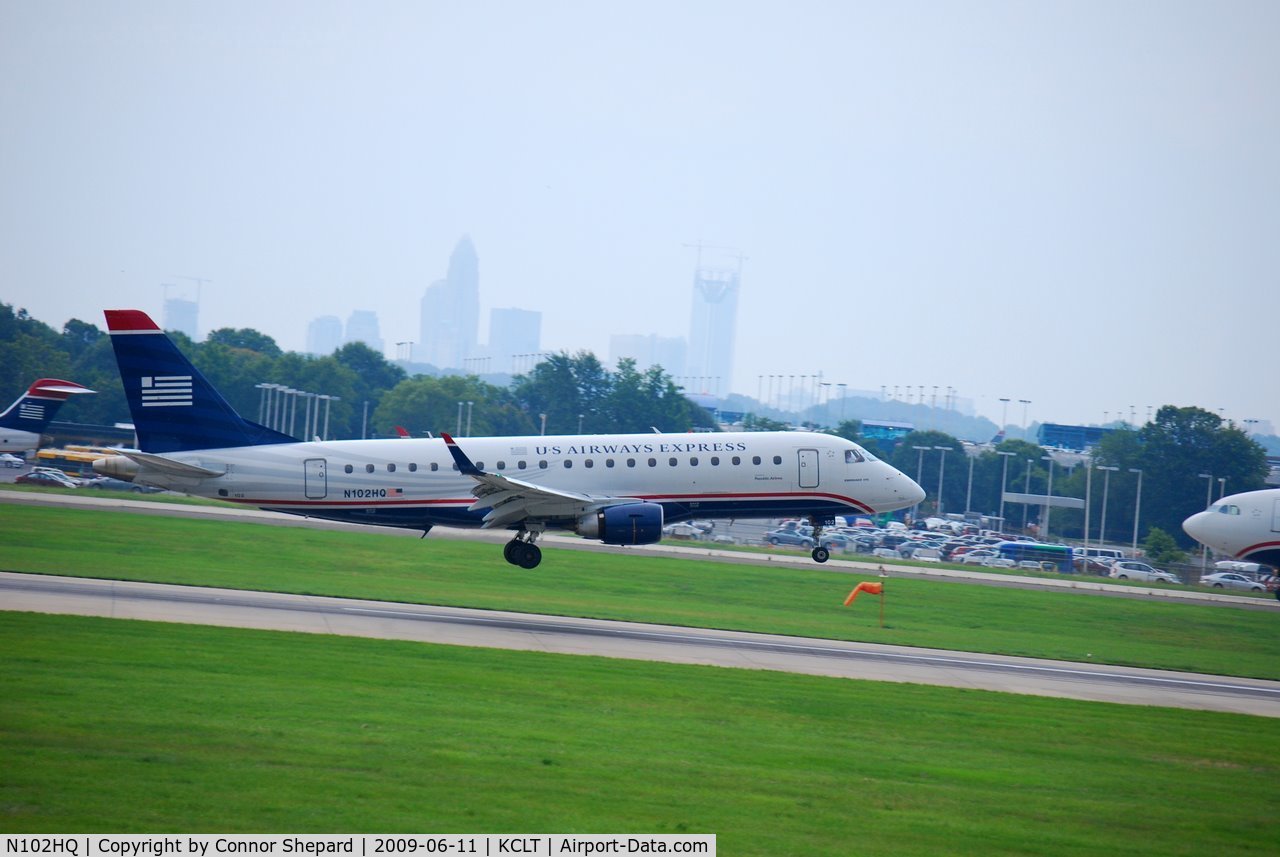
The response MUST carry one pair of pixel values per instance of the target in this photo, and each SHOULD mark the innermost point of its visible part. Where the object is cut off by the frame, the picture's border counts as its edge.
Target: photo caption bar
(358, 845)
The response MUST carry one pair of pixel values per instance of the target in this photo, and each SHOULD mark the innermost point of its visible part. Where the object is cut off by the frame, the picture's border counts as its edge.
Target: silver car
(1232, 580)
(1130, 569)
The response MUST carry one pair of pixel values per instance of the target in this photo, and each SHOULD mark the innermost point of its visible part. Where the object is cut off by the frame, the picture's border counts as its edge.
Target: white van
(1108, 554)
(1248, 569)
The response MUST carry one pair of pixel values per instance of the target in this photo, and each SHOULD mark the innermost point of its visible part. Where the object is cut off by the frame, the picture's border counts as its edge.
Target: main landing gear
(522, 551)
(820, 553)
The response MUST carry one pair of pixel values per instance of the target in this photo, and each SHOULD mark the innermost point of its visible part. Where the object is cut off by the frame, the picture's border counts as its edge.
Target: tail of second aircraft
(174, 407)
(34, 409)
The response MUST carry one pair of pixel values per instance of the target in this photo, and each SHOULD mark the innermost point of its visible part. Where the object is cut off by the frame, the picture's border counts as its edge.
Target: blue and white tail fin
(34, 409)
(174, 407)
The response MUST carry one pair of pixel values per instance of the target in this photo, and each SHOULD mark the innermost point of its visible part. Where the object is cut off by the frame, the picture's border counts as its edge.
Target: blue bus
(1057, 556)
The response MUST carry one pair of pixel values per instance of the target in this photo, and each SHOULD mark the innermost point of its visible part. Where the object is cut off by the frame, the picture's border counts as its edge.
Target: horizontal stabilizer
(170, 467)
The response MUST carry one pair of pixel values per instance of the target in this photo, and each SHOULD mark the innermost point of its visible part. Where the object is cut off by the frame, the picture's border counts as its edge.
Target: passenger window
(479, 465)
(672, 462)
(736, 461)
(608, 462)
(413, 468)
(777, 459)
(348, 469)
(693, 461)
(434, 467)
(502, 465)
(391, 468)
(631, 462)
(542, 465)
(568, 464)
(588, 463)
(715, 461)
(520, 465)
(368, 468)
(653, 462)
(755, 459)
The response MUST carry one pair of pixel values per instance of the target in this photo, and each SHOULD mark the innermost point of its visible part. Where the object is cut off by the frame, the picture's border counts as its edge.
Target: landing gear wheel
(509, 551)
(821, 554)
(529, 555)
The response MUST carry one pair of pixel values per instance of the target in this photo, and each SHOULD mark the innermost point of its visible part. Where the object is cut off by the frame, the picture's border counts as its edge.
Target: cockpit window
(1228, 509)
(852, 456)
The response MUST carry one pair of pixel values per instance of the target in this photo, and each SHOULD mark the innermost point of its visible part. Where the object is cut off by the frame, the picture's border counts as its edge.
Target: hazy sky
(1075, 203)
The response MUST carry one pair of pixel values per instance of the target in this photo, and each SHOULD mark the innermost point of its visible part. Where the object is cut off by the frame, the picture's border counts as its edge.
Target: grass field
(786, 600)
(124, 726)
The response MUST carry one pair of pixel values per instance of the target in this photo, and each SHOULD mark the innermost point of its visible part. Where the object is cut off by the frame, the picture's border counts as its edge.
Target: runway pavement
(573, 636)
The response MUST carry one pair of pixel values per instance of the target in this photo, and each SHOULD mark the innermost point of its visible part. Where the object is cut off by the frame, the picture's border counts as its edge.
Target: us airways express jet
(619, 489)
(23, 422)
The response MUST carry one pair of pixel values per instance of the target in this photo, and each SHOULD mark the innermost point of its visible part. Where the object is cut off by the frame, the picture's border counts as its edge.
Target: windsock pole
(873, 589)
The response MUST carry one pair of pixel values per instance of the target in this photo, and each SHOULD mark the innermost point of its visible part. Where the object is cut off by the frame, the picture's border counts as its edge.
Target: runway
(637, 641)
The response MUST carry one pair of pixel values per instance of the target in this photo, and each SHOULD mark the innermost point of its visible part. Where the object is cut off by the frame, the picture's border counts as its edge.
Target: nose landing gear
(820, 551)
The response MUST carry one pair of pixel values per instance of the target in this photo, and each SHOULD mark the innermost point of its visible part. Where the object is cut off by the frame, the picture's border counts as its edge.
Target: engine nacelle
(629, 524)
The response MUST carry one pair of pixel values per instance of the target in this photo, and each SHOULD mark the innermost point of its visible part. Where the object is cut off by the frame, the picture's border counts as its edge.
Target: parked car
(1131, 569)
(47, 478)
(927, 555)
(998, 562)
(682, 531)
(976, 557)
(788, 537)
(107, 483)
(9, 460)
(1092, 565)
(1232, 580)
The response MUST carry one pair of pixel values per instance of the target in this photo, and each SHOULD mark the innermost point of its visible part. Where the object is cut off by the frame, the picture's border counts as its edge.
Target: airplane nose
(1196, 525)
(907, 489)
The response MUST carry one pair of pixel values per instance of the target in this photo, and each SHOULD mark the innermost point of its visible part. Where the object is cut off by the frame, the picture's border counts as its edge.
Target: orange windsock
(867, 587)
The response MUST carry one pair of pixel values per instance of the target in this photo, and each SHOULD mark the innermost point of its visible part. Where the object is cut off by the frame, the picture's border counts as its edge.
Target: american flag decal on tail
(30, 411)
(166, 391)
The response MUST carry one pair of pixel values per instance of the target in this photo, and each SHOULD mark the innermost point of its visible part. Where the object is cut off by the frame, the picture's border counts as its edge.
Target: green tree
(1162, 549)
(245, 338)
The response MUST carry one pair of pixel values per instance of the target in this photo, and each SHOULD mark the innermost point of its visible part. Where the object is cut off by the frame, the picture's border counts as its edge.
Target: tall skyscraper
(514, 335)
(362, 326)
(713, 327)
(181, 315)
(324, 335)
(451, 311)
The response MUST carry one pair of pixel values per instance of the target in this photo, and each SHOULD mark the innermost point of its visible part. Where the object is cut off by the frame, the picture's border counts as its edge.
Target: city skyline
(1070, 204)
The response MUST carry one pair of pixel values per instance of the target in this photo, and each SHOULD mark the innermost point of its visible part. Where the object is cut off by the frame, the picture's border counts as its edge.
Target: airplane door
(315, 478)
(808, 468)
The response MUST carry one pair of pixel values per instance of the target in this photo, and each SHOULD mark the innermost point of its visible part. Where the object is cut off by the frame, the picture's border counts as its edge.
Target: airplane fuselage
(415, 482)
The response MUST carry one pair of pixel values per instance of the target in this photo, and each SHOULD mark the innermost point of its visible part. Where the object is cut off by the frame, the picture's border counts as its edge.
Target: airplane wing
(168, 466)
(511, 501)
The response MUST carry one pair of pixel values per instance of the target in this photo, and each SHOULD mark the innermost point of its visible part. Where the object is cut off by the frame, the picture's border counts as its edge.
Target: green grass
(125, 726)
(779, 599)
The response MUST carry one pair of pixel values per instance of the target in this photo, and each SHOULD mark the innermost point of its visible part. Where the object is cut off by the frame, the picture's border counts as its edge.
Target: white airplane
(1245, 526)
(25, 420)
(620, 489)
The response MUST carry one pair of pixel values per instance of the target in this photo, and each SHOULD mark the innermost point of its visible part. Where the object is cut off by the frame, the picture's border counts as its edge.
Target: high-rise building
(362, 326)
(712, 328)
(515, 335)
(649, 350)
(324, 335)
(451, 311)
(181, 315)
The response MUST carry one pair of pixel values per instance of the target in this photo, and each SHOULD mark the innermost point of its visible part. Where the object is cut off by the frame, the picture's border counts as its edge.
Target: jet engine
(628, 524)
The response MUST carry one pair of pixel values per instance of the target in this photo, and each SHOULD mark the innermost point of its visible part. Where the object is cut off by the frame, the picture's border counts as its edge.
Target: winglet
(460, 457)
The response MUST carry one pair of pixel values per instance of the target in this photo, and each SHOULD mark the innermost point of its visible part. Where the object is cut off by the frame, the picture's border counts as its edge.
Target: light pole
(580, 423)
(842, 391)
(1222, 487)
(1026, 489)
(1004, 481)
(919, 472)
(1106, 484)
(543, 417)
(458, 429)
(1004, 413)
(1208, 501)
(941, 462)
(1048, 498)
(1025, 427)
(968, 494)
(470, 405)
(1137, 509)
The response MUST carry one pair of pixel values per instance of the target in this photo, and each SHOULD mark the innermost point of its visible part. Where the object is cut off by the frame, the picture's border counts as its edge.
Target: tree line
(561, 395)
